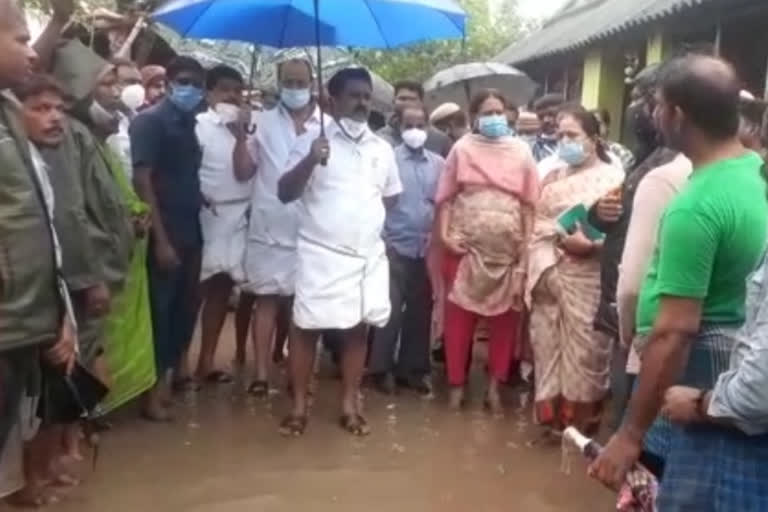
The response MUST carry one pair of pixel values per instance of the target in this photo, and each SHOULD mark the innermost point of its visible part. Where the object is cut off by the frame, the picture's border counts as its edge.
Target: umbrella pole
(251, 128)
(320, 84)
(252, 74)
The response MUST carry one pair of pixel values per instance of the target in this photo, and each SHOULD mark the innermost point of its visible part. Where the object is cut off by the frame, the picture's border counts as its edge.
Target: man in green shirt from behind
(711, 237)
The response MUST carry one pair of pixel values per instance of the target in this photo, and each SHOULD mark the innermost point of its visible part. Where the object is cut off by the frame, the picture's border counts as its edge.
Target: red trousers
(459, 330)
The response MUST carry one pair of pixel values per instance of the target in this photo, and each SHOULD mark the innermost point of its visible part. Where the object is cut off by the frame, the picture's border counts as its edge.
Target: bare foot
(159, 414)
(494, 404)
(155, 408)
(456, 398)
(493, 400)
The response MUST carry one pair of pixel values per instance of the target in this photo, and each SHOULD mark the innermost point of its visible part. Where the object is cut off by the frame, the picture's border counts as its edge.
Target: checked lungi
(709, 468)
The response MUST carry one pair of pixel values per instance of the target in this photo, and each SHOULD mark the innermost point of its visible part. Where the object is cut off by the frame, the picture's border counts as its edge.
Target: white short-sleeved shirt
(217, 173)
(342, 206)
(277, 148)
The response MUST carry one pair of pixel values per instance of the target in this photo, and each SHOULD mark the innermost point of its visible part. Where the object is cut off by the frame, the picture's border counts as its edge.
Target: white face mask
(353, 127)
(414, 138)
(228, 113)
(295, 99)
(133, 96)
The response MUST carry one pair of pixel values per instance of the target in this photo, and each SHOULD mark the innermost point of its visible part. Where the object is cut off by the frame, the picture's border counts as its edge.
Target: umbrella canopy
(289, 23)
(459, 83)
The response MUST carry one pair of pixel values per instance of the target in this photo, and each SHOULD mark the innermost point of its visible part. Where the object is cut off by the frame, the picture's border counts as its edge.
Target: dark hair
(706, 90)
(647, 80)
(602, 115)
(304, 61)
(221, 72)
(479, 98)
(181, 64)
(339, 81)
(409, 85)
(36, 85)
(552, 100)
(589, 123)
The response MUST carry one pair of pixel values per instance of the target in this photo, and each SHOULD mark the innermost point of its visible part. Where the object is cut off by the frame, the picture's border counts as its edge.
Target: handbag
(69, 398)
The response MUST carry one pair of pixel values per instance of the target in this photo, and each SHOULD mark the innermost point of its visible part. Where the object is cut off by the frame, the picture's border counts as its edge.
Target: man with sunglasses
(166, 161)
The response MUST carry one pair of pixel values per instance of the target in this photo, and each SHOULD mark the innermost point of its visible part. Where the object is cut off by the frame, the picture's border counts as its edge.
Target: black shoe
(380, 382)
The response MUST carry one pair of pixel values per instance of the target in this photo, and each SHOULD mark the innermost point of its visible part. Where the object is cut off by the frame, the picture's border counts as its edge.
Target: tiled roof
(584, 21)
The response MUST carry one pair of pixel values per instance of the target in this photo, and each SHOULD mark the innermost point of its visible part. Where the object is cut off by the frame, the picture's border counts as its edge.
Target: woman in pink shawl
(485, 203)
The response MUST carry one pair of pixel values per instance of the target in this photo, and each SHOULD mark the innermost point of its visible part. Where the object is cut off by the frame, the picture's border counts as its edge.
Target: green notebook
(579, 215)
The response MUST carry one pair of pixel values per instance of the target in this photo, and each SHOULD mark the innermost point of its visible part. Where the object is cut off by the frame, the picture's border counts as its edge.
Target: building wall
(603, 85)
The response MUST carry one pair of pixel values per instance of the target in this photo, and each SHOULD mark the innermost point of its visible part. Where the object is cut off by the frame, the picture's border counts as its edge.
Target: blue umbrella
(290, 23)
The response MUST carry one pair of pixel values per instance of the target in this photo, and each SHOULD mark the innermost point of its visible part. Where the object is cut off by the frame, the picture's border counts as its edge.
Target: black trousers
(410, 294)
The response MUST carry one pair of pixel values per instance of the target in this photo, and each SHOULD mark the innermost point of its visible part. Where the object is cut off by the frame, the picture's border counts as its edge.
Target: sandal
(293, 426)
(218, 377)
(259, 388)
(354, 424)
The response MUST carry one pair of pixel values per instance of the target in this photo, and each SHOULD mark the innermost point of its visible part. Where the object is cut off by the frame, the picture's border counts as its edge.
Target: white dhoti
(270, 269)
(225, 229)
(339, 290)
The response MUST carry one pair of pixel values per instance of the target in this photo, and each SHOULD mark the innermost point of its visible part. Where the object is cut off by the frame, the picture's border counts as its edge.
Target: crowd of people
(134, 202)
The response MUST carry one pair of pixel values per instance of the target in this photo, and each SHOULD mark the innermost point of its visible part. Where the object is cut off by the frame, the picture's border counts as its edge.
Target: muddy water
(223, 455)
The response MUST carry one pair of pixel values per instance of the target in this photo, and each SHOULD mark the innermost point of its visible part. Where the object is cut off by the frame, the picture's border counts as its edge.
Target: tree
(487, 34)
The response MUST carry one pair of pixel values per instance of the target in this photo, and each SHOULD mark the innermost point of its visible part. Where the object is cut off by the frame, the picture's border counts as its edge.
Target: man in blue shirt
(166, 160)
(406, 233)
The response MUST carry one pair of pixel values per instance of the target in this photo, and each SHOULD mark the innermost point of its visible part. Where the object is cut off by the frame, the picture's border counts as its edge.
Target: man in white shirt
(222, 132)
(132, 96)
(342, 274)
(283, 136)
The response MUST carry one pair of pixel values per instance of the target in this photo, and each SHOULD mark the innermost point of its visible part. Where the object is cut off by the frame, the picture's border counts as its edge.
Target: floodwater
(223, 454)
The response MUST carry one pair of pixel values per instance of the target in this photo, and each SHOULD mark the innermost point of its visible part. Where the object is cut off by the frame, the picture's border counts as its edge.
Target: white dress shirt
(217, 176)
(342, 205)
(277, 148)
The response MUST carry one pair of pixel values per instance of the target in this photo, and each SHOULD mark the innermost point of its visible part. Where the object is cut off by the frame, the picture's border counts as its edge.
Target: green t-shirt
(712, 236)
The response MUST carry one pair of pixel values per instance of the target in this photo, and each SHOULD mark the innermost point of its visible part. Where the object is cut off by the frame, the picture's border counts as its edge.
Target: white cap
(443, 111)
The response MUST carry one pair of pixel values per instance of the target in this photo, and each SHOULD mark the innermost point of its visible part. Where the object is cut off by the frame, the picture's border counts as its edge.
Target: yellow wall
(603, 85)
(656, 48)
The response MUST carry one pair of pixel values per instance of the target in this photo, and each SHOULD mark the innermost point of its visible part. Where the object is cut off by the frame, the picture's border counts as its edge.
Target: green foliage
(487, 35)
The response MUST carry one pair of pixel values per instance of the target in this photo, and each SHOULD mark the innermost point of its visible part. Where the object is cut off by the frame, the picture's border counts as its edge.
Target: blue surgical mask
(186, 97)
(295, 99)
(572, 152)
(493, 126)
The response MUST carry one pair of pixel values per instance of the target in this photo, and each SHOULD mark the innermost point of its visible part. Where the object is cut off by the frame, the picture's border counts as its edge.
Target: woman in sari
(485, 202)
(563, 289)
